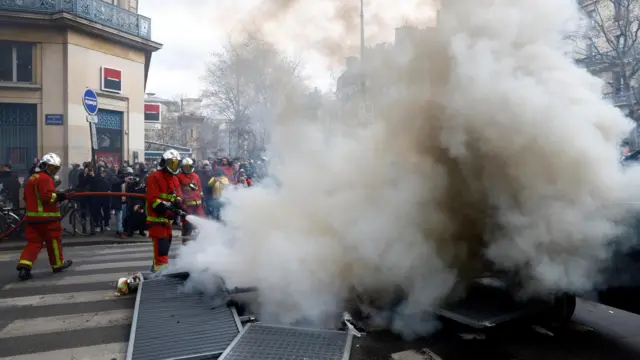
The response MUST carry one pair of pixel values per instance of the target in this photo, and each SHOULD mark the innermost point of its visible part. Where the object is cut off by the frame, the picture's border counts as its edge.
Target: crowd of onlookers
(126, 213)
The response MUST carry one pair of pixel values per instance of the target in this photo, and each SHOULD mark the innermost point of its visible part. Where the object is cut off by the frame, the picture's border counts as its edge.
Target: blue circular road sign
(90, 101)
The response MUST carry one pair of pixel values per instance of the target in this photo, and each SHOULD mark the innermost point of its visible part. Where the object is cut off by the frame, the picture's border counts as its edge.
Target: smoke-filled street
(613, 334)
(299, 171)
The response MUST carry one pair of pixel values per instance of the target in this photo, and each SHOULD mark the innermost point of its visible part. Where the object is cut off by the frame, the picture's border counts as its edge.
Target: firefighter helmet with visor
(187, 166)
(171, 161)
(50, 163)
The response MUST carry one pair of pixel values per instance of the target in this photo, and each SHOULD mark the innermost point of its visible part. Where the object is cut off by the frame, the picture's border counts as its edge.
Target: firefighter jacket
(191, 189)
(40, 198)
(161, 186)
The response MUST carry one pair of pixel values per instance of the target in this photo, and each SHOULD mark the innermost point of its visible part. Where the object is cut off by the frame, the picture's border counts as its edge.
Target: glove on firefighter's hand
(178, 203)
(162, 207)
(61, 196)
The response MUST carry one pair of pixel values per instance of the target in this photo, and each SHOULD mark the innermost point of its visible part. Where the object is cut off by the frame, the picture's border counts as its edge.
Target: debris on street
(128, 284)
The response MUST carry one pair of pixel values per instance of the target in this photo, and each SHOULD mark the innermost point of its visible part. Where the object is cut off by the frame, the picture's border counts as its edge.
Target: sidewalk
(107, 238)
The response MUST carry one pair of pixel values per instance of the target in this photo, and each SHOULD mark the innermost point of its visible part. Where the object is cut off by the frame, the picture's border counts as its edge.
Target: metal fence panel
(271, 342)
(170, 324)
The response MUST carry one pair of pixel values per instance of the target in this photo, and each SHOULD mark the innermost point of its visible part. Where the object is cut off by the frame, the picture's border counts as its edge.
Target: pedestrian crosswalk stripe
(95, 254)
(57, 299)
(53, 324)
(113, 351)
(56, 279)
(74, 314)
(111, 265)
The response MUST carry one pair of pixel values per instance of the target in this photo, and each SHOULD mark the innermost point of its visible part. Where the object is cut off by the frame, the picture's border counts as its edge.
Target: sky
(318, 32)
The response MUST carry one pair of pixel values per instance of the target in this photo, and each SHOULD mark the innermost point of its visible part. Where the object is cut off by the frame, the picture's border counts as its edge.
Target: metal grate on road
(169, 324)
(270, 342)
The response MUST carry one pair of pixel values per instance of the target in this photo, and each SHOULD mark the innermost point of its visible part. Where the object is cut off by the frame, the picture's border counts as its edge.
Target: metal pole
(362, 76)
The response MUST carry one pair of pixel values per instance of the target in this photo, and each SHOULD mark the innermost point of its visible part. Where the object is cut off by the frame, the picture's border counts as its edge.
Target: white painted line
(46, 325)
(424, 354)
(57, 299)
(84, 252)
(67, 280)
(133, 265)
(114, 351)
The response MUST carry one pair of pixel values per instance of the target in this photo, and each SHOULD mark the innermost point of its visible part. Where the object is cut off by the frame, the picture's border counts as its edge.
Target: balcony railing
(622, 97)
(608, 57)
(97, 11)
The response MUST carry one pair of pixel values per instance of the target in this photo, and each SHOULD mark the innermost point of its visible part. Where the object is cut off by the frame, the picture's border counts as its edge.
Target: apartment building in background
(50, 52)
(607, 46)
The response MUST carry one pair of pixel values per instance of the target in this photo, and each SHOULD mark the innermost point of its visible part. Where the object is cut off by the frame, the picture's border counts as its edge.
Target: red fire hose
(72, 195)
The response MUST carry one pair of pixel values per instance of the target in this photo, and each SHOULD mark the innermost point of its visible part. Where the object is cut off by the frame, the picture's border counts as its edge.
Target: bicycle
(10, 219)
(71, 210)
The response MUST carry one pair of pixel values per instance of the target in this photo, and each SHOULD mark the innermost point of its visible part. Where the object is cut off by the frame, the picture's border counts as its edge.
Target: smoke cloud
(494, 150)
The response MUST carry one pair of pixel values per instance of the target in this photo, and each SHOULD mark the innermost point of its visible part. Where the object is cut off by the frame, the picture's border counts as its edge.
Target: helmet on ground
(187, 166)
(50, 163)
(171, 161)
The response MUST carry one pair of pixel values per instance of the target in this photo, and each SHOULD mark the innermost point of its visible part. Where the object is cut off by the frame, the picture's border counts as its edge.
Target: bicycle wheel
(78, 224)
(10, 222)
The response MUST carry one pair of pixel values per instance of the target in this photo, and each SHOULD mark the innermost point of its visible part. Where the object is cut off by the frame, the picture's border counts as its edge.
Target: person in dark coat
(10, 187)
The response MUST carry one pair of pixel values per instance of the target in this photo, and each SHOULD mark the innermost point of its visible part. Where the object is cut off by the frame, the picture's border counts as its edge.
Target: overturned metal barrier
(169, 324)
(271, 342)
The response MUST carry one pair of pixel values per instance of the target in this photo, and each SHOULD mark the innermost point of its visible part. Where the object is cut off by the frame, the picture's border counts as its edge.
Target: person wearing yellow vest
(217, 183)
(42, 219)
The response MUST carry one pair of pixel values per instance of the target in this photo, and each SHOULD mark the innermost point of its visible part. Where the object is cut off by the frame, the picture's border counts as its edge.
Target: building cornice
(66, 20)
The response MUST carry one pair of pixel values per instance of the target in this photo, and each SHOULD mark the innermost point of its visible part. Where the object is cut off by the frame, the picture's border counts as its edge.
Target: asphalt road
(75, 315)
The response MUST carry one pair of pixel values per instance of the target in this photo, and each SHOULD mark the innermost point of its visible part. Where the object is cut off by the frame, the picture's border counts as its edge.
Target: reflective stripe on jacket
(40, 198)
(161, 186)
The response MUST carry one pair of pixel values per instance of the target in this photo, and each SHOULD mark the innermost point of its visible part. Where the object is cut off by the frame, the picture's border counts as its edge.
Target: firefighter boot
(24, 273)
(67, 264)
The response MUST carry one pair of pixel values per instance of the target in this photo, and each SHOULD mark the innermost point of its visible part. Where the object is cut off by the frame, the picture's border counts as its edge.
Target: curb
(19, 245)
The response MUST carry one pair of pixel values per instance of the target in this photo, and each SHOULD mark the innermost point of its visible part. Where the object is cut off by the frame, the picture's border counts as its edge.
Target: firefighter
(163, 197)
(192, 193)
(43, 218)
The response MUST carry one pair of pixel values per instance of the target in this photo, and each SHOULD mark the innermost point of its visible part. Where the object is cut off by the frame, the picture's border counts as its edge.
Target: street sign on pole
(90, 101)
(94, 136)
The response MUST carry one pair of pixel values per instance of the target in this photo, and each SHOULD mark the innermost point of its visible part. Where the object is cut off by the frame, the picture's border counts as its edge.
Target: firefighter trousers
(161, 235)
(187, 227)
(39, 234)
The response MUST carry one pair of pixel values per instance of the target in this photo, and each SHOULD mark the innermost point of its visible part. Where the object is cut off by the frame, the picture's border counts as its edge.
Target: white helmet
(187, 166)
(50, 163)
(171, 161)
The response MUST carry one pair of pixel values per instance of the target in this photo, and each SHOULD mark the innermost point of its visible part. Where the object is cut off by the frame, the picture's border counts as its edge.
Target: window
(16, 62)
(621, 41)
(618, 82)
(591, 15)
(590, 48)
(618, 8)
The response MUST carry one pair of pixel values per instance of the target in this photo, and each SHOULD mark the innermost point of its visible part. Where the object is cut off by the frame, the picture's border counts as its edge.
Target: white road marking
(57, 299)
(133, 265)
(46, 325)
(425, 354)
(67, 280)
(114, 351)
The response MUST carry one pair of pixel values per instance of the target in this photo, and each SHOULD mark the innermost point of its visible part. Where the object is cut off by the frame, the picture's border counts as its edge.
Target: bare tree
(245, 84)
(608, 46)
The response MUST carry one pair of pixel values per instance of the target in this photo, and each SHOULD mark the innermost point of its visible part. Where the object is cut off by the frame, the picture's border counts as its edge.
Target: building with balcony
(50, 52)
(607, 46)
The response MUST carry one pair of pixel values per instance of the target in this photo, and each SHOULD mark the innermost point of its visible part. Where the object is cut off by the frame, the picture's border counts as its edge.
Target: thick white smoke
(499, 151)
